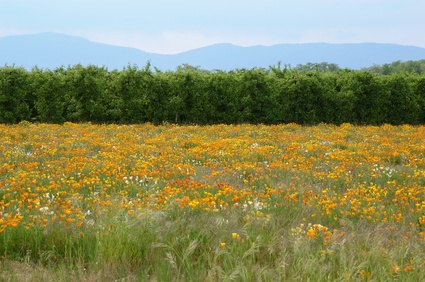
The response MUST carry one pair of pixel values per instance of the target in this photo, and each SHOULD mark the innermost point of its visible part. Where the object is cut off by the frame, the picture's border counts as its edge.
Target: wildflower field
(209, 203)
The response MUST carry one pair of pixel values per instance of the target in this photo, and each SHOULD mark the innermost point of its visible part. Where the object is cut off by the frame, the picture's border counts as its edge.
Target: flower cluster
(73, 174)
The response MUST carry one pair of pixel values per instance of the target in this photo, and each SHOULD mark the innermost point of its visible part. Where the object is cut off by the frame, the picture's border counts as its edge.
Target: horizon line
(206, 46)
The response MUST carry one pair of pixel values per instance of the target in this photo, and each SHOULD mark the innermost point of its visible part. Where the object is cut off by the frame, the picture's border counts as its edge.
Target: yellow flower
(395, 268)
(222, 245)
(236, 236)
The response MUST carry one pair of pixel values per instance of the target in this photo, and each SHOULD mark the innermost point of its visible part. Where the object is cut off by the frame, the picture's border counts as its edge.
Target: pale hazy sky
(167, 26)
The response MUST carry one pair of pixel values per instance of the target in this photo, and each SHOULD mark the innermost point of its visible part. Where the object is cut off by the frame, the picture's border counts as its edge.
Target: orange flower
(311, 233)
(407, 268)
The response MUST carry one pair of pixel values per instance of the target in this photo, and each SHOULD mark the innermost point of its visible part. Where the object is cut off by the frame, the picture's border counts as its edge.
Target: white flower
(44, 210)
(90, 222)
(254, 145)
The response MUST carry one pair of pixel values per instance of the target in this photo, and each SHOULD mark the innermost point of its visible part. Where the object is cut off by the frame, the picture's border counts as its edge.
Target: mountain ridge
(51, 50)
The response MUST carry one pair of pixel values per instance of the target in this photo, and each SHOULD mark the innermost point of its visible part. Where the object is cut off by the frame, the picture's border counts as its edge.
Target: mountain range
(52, 50)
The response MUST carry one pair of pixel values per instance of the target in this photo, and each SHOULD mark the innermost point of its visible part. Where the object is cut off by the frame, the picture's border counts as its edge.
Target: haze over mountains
(52, 50)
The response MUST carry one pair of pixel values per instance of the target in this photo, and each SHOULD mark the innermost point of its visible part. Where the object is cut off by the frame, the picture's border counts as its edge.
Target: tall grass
(188, 246)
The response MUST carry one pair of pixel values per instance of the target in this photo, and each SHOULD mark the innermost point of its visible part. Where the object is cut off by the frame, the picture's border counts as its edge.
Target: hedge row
(192, 96)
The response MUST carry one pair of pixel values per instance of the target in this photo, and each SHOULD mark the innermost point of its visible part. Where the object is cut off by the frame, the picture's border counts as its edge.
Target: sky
(170, 26)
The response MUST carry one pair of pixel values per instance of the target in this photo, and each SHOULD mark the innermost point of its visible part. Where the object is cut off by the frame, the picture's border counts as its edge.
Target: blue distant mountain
(52, 50)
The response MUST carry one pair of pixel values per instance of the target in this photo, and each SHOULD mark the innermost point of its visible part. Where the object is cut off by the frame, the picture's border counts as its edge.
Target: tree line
(417, 67)
(193, 96)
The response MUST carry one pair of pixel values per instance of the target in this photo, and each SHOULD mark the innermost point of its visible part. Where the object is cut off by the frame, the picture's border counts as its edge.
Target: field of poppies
(208, 203)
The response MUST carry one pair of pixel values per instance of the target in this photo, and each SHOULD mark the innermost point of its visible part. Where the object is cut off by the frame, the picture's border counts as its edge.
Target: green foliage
(321, 67)
(132, 89)
(309, 94)
(417, 67)
(419, 90)
(255, 96)
(14, 95)
(48, 89)
(304, 96)
(403, 105)
(369, 97)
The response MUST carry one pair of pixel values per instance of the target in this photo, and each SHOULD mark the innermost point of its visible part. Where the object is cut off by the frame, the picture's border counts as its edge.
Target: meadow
(212, 203)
